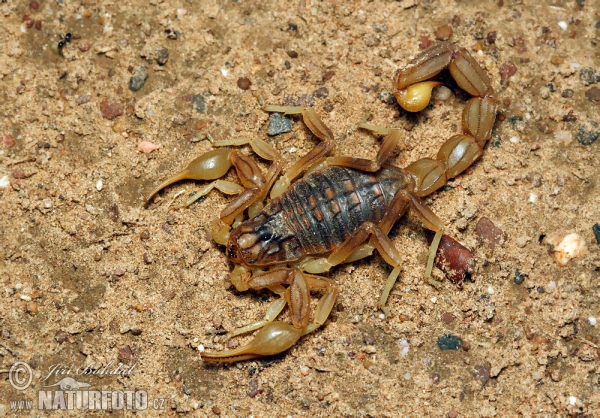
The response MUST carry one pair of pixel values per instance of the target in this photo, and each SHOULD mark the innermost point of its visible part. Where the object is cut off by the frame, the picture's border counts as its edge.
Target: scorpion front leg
(276, 337)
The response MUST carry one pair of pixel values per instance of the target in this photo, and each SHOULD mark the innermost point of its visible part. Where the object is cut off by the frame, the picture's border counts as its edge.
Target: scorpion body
(315, 215)
(341, 210)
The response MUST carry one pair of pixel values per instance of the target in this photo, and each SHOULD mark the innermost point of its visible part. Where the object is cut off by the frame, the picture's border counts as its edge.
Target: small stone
(387, 98)
(491, 37)
(519, 277)
(589, 76)
(596, 229)
(111, 110)
(452, 414)
(521, 242)
(119, 272)
(544, 127)
(244, 83)
(216, 410)
(253, 389)
(369, 339)
(34, 5)
(61, 337)
(507, 70)
(304, 370)
(321, 92)
(84, 45)
(544, 92)
(199, 102)
(136, 331)
(447, 317)
(585, 137)
(449, 342)
(145, 235)
(557, 60)
(162, 56)
(566, 248)
(32, 308)
(489, 234)
(320, 396)
(279, 124)
(593, 94)
(481, 374)
(147, 147)
(38, 24)
(138, 78)
(82, 99)
(328, 75)
(591, 319)
(292, 54)
(442, 93)
(567, 93)
(443, 33)
(424, 42)
(565, 136)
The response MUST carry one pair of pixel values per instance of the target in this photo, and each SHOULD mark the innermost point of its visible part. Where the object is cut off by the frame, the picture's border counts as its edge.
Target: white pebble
(405, 347)
(99, 185)
(569, 247)
(521, 242)
(514, 139)
(552, 285)
(27, 298)
(532, 197)
(407, 376)
(4, 182)
(381, 316)
(442, 93)
(572, 400)
(563, 25)
(304, 370)
(224, 71)
(434, 300)
(490, 290)
(565, 136)
(201, 348)
(591, 319)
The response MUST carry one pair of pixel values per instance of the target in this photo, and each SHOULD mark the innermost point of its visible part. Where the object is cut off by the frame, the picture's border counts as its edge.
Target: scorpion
(328, 210)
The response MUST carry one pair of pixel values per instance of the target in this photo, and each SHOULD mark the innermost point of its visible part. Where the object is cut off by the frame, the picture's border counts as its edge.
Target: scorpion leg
(313, 121)
(276, 337)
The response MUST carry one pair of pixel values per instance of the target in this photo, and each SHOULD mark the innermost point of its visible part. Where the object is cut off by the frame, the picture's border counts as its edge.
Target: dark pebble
(387, 98)
(544, 127)
(488, 233)
(519, 278)
(61, 337)
(328, 75)
(593, 94)
(162, 56)
(279, 124)
(34, 5)
(199, 103)
(596, 229)
(491, 37)
(585, 137)
(482, 374)
(111, 110)
(507, 70)
(369, 339)
(287, 64)
(244, 83)
(589, 76)
(253, 391)
(449, 342)
(292, 54)
(567, 93)
(541, 290)
(447, 317)
(138, 78)
(424, 42)
(443, 33)
(38, 24)
(321, 92)
(292, 26)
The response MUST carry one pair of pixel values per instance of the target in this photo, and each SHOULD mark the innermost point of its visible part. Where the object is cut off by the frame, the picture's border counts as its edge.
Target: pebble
(328, 75)
(443, 33)
(572, 400)
(279, 124)
(369, 339)
(216, 410)
(566, 248)
(447, 317)
(321, 92)
(387, 98)
(147, 147)
(452, 414)
(111, 110)
(533, 197)
(521, 242)
(84, 45)
(482, 374)
(552, 285)
(567, 93)
(491, 37)
(565, 136)
(593, 94)
(253, 390)
(563, 25)
(34, 5)
(162, 56)
(507, 70)
(99, 185)
(82, 99)
(519, 277)
(4, 182)
(292, 54)
(138, 78)
(489, 234)
(449, 342)
(199, 102)
(244, 83)
(304, 370)
(442, 93)
(596, 230)
(589, 76)
(404, 348)
(585, 137)
(592, 321)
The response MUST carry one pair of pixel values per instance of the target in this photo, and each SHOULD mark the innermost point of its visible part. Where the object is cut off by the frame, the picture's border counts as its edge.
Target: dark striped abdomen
(326, 207)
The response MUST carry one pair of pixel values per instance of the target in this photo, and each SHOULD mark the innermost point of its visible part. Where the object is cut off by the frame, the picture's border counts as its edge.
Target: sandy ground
(92, 277)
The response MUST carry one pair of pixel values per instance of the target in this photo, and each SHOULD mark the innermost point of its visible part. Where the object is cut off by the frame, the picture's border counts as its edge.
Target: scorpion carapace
(341, 210)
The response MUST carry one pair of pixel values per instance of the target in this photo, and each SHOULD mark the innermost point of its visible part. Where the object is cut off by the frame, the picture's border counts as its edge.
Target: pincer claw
(273, 338)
